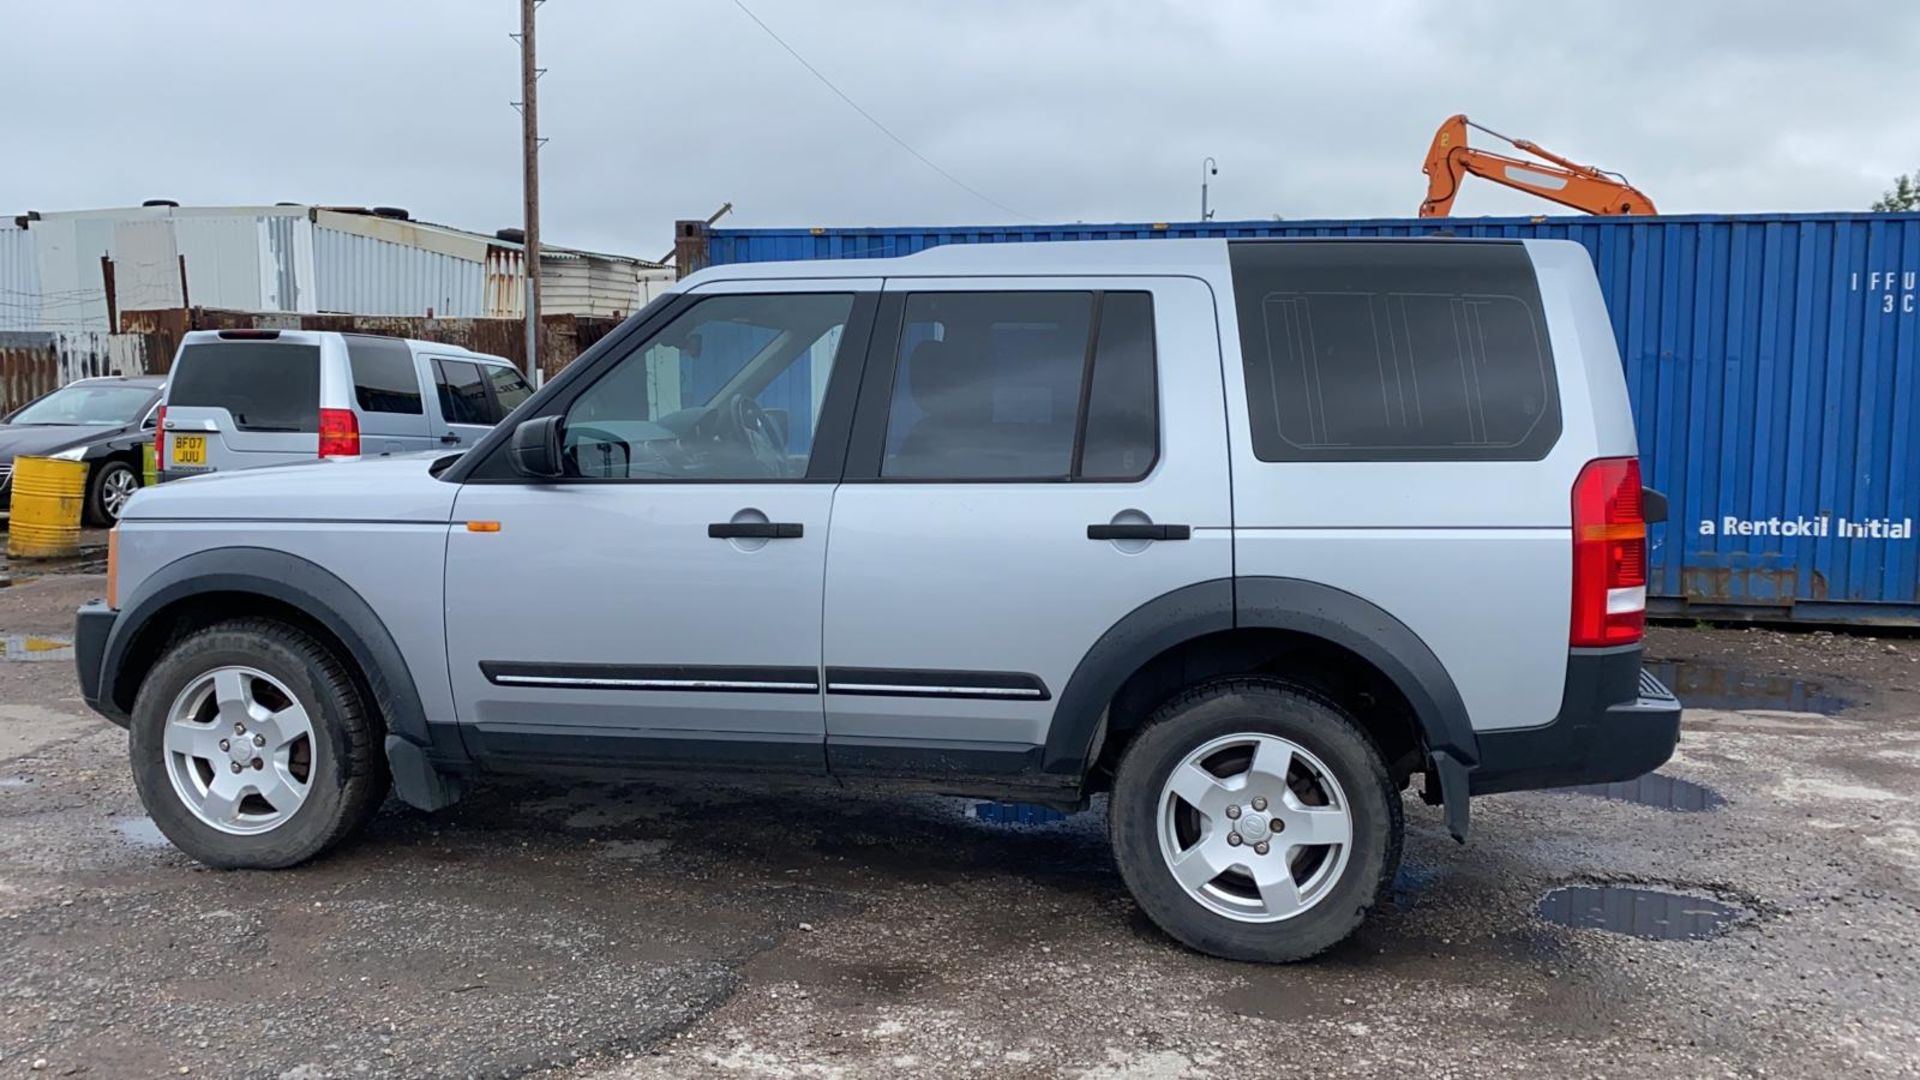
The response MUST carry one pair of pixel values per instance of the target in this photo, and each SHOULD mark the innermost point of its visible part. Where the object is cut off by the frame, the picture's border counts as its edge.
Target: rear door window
(1121, 424)
(384, 377)
(1420, 350)
(988, 385)
(266, 385)
(1024, 386)
(463, 393)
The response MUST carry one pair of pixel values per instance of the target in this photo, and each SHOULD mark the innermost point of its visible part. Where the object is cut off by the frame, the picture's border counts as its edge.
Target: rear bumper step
(1591, 741)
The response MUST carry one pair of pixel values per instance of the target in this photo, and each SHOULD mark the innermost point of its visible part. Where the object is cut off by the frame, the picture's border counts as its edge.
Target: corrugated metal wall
(282, 258)
(19, 279)
(371, 276)
(33, 363)
(1771, 359)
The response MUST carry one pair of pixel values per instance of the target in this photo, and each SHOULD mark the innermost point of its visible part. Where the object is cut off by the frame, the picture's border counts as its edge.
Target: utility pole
(1207, 168)
(530, 163)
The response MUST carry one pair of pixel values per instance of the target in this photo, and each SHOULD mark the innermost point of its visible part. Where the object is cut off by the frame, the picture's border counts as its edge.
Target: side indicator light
(483, 526)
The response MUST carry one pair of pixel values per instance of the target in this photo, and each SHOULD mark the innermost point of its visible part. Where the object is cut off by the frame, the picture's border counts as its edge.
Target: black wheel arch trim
(1160, 624)
(1331, 614)
(1370, 632)
(315, 591)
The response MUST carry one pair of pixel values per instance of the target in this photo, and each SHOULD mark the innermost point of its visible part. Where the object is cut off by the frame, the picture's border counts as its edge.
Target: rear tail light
(1609, 554)
(160, 437)
(339, 433)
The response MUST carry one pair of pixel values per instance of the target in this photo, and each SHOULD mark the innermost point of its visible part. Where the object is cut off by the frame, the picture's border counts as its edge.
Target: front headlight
(72, 454)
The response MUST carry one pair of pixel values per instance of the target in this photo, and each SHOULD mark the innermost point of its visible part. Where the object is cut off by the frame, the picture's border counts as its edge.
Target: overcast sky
(1061, 111)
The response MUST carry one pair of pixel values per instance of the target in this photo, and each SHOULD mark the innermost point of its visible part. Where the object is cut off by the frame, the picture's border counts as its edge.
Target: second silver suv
(242, 399)
(1249, 536)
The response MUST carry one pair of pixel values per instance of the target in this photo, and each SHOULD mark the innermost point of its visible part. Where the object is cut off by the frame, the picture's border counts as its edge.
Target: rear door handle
(450, 439)
(755, 530)
(1139, 532)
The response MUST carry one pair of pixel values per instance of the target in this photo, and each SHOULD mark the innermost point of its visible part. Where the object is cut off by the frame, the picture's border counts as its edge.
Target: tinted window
(384, 379)
(987, 385)
(1123, 410)
(266, 385)
(463, 396)
(731, 389)
(509, 389)
(1420, 350)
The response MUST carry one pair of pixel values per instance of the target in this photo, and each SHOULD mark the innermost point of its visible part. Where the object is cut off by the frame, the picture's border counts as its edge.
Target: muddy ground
(631, 931)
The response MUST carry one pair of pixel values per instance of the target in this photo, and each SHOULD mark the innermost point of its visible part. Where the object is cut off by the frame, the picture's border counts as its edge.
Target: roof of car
(154, 382)
(1090, 257)
(1176, 256)
(204, 337)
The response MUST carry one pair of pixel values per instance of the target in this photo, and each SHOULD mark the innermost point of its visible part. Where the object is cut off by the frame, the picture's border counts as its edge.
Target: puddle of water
(998, 813)
(1641, 913)
(38, 647)
(141, 832)
(1411, 883)
(1707, 684)
(1657, 790)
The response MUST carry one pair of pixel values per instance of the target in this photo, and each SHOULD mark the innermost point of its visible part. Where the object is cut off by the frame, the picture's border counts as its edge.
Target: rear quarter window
(266, 385)
(509, 389)
(1409, 351)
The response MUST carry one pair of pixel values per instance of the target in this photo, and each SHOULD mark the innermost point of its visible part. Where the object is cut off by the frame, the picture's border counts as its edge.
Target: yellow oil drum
(47, 499)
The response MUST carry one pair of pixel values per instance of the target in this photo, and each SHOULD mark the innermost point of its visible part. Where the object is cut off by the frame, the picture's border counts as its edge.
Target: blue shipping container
(1771, 359)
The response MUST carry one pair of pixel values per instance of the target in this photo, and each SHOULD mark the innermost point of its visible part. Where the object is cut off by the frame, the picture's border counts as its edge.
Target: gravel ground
(620, 931)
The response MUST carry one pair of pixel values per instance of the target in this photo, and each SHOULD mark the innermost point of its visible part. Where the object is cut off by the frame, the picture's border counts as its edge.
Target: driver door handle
(1139, 532)
(755, 530)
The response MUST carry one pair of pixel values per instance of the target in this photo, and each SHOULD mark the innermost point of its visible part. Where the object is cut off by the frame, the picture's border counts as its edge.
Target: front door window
(730, 390)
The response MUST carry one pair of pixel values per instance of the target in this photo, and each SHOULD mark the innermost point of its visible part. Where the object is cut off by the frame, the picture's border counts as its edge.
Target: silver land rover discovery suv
(1249, 536)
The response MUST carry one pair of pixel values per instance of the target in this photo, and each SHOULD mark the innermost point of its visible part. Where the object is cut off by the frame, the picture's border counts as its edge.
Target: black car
(102, 422)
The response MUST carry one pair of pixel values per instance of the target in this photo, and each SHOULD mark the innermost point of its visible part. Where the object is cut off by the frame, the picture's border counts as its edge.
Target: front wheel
(1253, 820)
(252, 748)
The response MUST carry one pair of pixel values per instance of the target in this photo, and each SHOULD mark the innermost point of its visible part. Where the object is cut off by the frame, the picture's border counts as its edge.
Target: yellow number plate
(189, 449)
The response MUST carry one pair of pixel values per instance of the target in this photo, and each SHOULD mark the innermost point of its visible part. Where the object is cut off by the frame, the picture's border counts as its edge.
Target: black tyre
(110, 484)
(1253, 819)
(252, 748)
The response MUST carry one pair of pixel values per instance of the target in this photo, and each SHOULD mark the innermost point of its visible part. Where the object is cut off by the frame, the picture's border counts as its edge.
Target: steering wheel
(754, 429)
(748, 419)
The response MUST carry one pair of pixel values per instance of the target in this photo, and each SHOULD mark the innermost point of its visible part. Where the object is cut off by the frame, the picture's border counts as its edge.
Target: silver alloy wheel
(240, 750)
(115, 489)
(1254, 827)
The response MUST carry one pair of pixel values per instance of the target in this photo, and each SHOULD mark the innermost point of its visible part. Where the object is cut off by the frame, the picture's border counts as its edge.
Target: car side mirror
(535, 449)
(149, 423)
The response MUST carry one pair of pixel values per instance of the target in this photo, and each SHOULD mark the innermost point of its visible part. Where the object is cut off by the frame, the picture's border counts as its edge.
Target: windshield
(95, 404)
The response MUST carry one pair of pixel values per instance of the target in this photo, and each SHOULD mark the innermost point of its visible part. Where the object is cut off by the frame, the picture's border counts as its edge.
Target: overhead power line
(871, 119)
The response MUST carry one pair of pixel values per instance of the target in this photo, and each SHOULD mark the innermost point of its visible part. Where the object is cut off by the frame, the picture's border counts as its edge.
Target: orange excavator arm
(1568, 183)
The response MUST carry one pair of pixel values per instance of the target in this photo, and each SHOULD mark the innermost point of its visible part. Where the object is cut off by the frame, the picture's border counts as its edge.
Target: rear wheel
(1254, 820)
(251, 746)
(108, 489)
